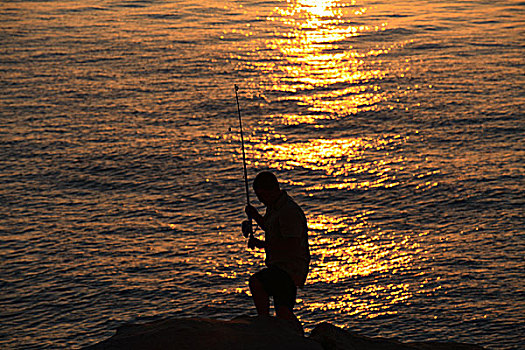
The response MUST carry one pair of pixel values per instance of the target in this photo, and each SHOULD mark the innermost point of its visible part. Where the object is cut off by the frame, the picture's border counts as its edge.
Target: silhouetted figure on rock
(286, 247)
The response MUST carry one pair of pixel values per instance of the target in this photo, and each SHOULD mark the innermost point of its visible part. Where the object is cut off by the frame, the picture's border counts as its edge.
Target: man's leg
(286, 313)
(261, 299)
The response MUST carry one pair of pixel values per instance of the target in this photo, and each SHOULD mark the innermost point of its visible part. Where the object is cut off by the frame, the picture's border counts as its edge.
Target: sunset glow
(125, 178)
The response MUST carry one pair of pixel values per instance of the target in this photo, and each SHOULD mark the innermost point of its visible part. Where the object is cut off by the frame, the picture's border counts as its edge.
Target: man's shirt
(285, 220)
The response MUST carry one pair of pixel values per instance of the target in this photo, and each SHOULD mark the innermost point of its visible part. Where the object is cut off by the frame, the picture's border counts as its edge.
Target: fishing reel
(247, 231)
(247, 228)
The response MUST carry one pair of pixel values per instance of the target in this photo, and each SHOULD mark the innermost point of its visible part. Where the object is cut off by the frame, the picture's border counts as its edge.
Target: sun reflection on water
(344, 249)
(314, 57)
(340, 159)
(312, 48)
(372, 300)
(366, 254)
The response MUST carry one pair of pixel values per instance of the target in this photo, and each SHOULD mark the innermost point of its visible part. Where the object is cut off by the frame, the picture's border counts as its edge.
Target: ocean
(398, 126)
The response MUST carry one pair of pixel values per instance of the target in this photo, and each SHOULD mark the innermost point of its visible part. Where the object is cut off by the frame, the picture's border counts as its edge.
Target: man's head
(266, 188)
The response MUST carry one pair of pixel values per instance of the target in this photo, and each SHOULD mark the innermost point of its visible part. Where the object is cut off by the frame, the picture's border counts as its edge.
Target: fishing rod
(247, 227)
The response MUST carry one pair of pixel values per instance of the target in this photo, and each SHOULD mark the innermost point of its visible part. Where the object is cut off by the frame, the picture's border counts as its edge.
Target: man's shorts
(278, 284)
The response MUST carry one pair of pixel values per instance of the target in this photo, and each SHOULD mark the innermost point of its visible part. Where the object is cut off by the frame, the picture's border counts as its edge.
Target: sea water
(397, 125)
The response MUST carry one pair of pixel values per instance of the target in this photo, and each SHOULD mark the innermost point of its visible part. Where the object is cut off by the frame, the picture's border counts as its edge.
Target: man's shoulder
(286, 201)
(291, 208)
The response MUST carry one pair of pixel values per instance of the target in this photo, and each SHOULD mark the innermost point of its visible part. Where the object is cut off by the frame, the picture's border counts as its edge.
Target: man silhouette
(286, 247)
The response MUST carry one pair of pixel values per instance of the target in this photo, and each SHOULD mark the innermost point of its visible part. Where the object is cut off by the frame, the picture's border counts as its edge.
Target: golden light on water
(312, 48)
(373, 300)
(335, 260)
(318, 154)
(313, 58)
(339, 159)
(121, 199)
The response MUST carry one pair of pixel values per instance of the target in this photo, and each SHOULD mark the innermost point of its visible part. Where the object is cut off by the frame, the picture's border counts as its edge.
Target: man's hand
(254, 214)
(251, 212)
(256, 243)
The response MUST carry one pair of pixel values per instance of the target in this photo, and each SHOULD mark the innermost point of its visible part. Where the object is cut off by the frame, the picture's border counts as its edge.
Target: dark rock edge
(252, 333)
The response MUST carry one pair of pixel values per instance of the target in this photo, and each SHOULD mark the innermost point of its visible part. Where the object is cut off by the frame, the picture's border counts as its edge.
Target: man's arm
(254, 214)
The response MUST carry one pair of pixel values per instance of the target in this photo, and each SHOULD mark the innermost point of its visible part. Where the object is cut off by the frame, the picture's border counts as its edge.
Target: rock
(246, 333)
(335, 338)
(445, 346)
(242, 333)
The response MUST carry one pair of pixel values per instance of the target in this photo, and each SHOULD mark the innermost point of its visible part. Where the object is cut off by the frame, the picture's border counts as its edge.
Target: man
(286, 248)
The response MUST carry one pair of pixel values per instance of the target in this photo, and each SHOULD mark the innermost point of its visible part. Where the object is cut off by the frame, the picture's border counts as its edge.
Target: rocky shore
(246, 333)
